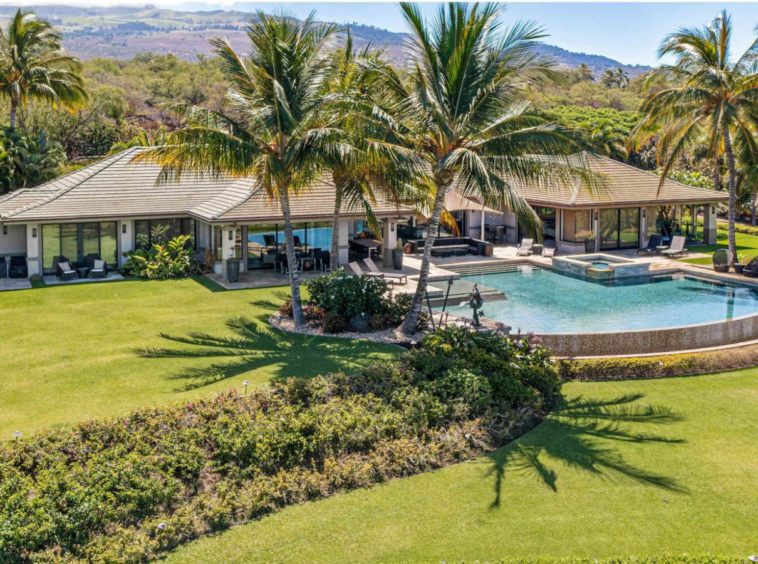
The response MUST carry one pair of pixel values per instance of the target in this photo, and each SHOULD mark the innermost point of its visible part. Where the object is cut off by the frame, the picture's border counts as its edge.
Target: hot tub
(600, 266)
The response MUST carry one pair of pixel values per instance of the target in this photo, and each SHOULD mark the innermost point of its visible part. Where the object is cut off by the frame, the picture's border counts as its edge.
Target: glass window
(577, 226)
(651, 221)
(69, 241)
(142, 234)
(609, 228)
(90, 239)
(629, 228)
(51, 245)
(109, 242)
(217, 241)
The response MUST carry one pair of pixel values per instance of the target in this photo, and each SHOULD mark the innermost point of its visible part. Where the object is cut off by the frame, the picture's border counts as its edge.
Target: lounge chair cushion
(98, 265)
(65, 267)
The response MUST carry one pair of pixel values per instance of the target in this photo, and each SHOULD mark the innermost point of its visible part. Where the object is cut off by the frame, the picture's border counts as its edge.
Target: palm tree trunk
(289, 244)
(14, 109)
(732, 192)
(411, 320)
(334, 253)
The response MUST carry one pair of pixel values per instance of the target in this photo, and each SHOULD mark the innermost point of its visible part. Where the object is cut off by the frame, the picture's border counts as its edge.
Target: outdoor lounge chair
(98, 269)
(525, 248)
(655, 241)
(676, 248)
(17, 267)
(399, 278)
(64, 270)
(356, 268)
(751, 269)
(549, 249)
(722, 258)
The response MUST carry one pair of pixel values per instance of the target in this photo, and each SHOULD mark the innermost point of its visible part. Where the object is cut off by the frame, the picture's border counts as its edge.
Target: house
(622, 214)
(115, 206)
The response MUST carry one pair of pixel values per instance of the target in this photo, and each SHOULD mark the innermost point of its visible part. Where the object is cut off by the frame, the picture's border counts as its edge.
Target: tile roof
(625, 185)
(116, 187)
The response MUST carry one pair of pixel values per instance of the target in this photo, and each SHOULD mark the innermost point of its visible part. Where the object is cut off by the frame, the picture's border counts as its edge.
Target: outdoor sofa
(452, 246)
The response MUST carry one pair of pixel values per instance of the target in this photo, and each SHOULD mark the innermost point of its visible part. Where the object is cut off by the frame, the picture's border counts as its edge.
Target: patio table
(660, 248)
(370, 244)
(82, 271)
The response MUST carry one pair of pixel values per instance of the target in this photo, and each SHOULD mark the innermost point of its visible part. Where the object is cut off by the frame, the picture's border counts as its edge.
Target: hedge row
(665, 559)
(659, 366)
(130, 489)
(738, 227)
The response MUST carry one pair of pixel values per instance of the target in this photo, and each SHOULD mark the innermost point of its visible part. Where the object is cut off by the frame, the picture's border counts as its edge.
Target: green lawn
(82, 351)
(622, 468)
(746, 244)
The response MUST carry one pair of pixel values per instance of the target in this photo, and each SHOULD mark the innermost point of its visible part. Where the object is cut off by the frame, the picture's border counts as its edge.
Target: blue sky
(627, 32)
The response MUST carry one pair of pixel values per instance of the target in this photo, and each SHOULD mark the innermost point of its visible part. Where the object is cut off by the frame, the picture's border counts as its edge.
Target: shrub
(172, 260)
(129, 489)
(334, 323)
(347, 295)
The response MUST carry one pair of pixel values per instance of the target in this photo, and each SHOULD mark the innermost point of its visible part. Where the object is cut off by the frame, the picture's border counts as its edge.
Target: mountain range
(124, 31)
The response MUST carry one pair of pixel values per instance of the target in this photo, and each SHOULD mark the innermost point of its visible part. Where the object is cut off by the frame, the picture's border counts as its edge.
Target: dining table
(370, 244)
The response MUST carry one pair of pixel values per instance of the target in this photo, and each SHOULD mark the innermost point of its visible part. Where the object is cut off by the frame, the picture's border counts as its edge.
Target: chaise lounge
(652, 245)
(525, 248)
(677, 247)
(399, 278)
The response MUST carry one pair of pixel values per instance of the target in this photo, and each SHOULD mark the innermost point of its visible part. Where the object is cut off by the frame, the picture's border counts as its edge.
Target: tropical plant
(271, 134)
(608, 138)
(33, 65)
(584, 73)
(615, 78)
(170, 260)
(143, 138)
(462, 103)
(28, 160)
(713, 98)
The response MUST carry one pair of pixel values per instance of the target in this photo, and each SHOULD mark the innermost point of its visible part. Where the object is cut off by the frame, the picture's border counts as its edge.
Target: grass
(621, 468)
(746, 244)
(77, 352)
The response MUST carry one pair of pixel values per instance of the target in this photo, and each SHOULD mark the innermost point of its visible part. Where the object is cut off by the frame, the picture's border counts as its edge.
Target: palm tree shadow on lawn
(574, 434)
(254, 346)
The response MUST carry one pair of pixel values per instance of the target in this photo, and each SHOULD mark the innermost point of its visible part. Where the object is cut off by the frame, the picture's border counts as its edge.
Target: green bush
(347, 295)
(130, 489)
(172, 260)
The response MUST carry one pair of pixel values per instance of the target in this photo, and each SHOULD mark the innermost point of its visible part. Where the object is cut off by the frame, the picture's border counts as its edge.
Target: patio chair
(356, 268)
(655, 241)
(270, 242)
(525, 248)
(99, 269)
(17, 267)
(676, 248)
(282, 265)
(296, 240)
(549, 249)
(324, 260)
(751, 268)
(399, 278)
(721, 259)
(64, 270)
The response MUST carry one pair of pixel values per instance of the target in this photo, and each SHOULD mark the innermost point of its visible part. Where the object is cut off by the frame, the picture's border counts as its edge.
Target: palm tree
(585, 73)
(368, 158)
(714, 99)
(271, 133)
(143, 138)
(607, 138)
(622, 79)
(463, 100)
(33, 65)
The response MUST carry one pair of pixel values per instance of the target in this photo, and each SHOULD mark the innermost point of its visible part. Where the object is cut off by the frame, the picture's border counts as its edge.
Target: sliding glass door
(77, 241)
(619, 228)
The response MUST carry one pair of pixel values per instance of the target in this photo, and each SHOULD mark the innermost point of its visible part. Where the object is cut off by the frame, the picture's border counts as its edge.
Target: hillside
(124, 31)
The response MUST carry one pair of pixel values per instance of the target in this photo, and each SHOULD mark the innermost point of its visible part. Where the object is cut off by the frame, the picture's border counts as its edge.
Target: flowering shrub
(130, 489)
(172, 260)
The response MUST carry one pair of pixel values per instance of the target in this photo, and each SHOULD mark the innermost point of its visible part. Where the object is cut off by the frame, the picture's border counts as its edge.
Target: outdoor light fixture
(713, 209)
(595, 216)
(643, 214)
(231, 235)
(123, 228)
(5, 229)
(34, 233)
(392, 227)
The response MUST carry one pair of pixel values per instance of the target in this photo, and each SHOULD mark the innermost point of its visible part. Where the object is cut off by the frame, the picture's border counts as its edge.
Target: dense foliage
(170, 260)
(127, 490)
(27, 160)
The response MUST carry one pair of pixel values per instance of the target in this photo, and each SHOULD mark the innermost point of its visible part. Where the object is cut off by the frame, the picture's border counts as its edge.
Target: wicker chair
(751, 269)
(721, 260)
(64, 270)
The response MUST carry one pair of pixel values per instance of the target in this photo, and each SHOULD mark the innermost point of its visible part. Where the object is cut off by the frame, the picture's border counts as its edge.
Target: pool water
(317, 237)
(543, 301)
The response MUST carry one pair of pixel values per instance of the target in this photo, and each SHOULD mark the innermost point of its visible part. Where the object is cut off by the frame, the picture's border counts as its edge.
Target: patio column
(709, 224)
(344, 242)
(389, 239)
(482, 233)
(227, 247)
(33, 238)
(596, 227)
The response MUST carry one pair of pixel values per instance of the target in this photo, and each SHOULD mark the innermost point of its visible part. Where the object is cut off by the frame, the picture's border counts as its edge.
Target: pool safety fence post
(429, 305)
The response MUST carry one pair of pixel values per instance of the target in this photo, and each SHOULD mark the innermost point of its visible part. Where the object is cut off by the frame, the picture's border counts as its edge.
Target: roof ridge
(92, 170)
(238, 202)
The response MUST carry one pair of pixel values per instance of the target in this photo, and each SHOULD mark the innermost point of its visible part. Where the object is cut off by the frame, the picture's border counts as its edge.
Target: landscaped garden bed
(130, 489)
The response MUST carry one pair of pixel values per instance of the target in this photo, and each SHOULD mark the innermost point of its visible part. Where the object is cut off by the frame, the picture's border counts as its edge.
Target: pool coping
(667, 340)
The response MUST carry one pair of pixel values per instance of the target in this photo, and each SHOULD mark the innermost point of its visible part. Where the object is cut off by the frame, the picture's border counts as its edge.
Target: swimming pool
(544, 302)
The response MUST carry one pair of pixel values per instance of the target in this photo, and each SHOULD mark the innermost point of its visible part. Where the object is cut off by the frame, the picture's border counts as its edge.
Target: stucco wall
(14, 243)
